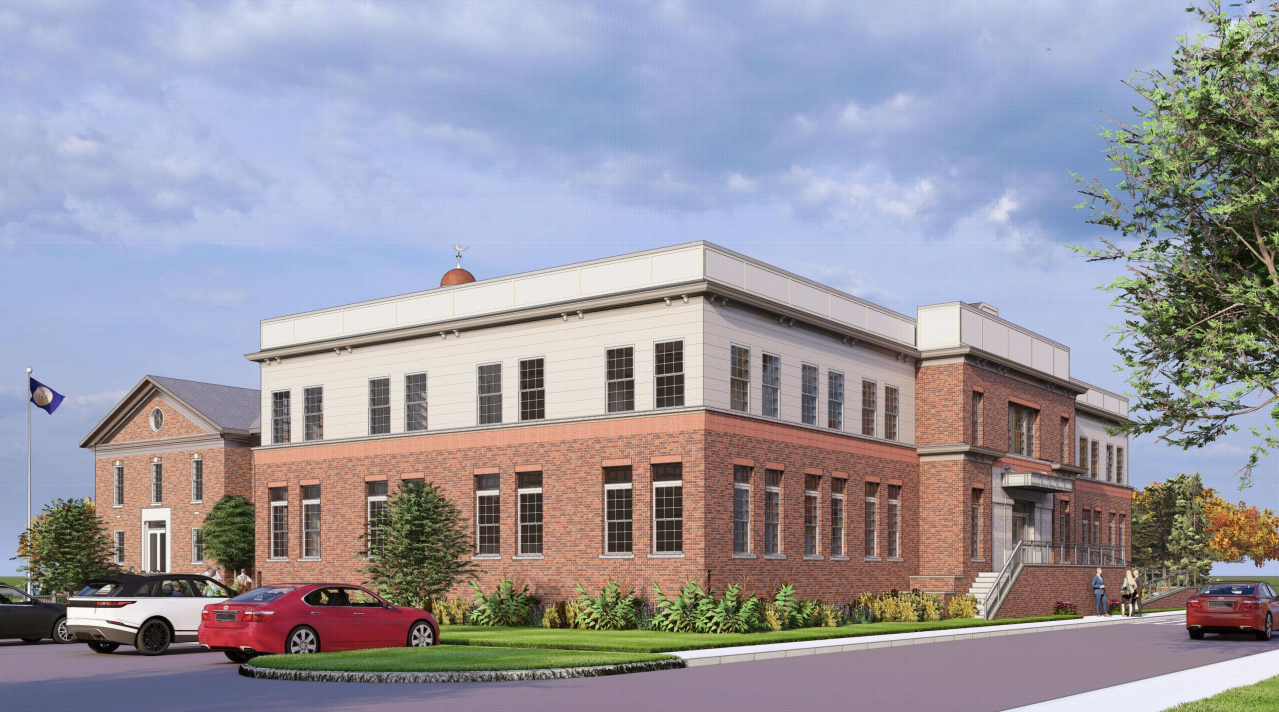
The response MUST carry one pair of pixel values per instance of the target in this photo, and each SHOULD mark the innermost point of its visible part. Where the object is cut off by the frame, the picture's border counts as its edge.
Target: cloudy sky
(172, 173)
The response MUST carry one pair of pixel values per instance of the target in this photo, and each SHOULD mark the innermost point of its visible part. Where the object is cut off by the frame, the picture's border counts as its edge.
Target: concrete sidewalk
(749, 653)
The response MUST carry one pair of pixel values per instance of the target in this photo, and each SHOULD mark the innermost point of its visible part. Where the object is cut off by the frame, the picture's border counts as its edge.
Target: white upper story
(1104, 456)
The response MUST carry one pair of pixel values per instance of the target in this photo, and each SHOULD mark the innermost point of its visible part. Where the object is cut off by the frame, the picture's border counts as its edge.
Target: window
(1086, 530)
(1095, 459)
(1110, 463)
(118, 494)
(1123, 531)
(1096, 527)
(375, 516)
(1083, 453)
(834, 400)
(197, 479)
(894, 522)
(1064, 531)
(408, 482)
(868, 408)
(1021, 429)
(772, 512)
(812, 485)
(197, 546)
(1065, 441)
(280, 418)
(975, 417)
(529, 492)
(157, 481)
(668, 507)
(974, 526)
(837, 517)
(157, 419)
(279, 497)
(620, 379)
(532, 389)
(872, 519)
(1119, 466)
(670, 375)
(890, 412)
(379, 406)
(310, 521)
(741, 509)
(740, 379)
(617, 510)
(490, 393)
(808, 389)
(415, 402)
(119, 547)
(313, 410)
(771, 386)
(488, 516)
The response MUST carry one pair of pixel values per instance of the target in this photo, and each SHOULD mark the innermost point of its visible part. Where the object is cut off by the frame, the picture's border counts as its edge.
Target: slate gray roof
(231, 408)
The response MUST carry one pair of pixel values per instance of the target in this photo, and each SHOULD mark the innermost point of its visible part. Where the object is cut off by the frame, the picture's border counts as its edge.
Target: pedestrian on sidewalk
(1099, 593)
(1128, 593)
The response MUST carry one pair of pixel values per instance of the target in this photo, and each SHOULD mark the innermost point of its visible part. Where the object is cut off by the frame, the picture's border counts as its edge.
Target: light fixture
(456, 334)
(564, 316)
(443, 335)
(579, 314)
(348, 349)
(684, 297)
(667, 300)
(337, 351)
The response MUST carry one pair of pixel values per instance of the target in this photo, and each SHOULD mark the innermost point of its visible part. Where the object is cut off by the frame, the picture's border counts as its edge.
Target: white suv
(148, 612)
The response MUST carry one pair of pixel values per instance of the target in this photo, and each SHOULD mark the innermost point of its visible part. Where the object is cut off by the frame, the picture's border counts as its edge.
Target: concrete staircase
(981, 587)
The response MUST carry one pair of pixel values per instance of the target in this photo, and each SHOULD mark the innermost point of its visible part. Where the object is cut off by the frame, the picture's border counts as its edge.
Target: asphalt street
(961, 676)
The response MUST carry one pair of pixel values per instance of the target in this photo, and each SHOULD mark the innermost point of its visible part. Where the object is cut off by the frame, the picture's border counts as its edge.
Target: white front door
(155, 547)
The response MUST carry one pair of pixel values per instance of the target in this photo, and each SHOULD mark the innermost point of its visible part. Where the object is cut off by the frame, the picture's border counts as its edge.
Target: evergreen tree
(229, 533)
(1153, 509)
(424, 547)
(65, 546)
(1188, 540)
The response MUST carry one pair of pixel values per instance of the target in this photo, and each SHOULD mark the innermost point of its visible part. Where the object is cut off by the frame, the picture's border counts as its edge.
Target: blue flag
(45, 397)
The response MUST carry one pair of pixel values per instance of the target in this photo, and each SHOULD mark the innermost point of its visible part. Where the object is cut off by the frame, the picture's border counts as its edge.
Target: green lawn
(643, 641)
(1261, 697)
(448, 658)
(15, 581)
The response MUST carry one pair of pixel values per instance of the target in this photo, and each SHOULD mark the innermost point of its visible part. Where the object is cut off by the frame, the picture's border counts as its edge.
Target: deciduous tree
(65, 546)
(1237, 532)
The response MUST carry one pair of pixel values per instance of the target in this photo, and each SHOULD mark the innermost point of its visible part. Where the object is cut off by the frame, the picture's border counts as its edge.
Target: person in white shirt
(243, 582)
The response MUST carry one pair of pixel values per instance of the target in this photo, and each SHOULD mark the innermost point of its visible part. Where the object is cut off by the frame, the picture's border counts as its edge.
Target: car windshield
(100, 588)
(266, 594)
(1228, 589)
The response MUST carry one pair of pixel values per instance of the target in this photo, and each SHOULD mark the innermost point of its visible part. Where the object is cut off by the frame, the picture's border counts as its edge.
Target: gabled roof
(226, 410)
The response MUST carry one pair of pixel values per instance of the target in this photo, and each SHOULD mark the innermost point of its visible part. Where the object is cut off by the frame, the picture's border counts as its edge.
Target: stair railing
(999, 588)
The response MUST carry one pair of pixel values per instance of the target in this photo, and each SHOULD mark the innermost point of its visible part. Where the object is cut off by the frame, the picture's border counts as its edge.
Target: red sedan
(1233, 607)
(308, 618)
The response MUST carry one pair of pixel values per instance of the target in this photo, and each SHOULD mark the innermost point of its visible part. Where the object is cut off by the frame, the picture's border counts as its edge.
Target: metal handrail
(1177, 578)
(1051, 553)
(1001, 581)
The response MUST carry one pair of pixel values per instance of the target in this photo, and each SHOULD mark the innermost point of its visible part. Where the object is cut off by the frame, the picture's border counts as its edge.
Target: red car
(309, 618)
(1233, 607)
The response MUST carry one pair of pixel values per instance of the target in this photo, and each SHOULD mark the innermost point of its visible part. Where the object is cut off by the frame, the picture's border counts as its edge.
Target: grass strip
(448, 658)
(1261, 697)
(647, 641)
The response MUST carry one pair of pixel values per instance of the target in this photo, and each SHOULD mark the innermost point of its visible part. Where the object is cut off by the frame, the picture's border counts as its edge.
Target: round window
(157, 418)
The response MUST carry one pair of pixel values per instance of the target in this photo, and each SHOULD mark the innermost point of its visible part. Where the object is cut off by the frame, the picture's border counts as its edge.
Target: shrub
(614, 609)
(65, 546)
(829, 616)
(784, 606)
(963, 606)
(228, 533)
(508, 605)
(424, 549)
(536, 614)
(774, 617)
(644, 619)
(1065, 608)
(859, 614)
(682, 613)
(732, 613)
(553, 616)
(451, 612)
(804, 614)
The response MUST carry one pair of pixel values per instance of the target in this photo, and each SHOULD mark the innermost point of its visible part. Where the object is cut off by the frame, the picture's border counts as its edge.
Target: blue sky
(170, 174)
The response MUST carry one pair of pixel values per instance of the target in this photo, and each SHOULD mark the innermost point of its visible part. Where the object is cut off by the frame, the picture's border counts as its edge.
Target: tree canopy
(422, 547)
(229, 533)
(1180, 524)
(65, 546)
(1195, 221)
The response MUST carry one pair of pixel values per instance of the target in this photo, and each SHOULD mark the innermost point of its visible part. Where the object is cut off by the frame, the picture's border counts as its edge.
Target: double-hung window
(741, 509)
(157, 481)
(197, 546)
(771, 385)
(1086, 528)
(974, 526)
(117, 497)
(415, 402)
(620, 379)
(975, 418)
(310, 521)
(868, 408)
(1113, 540)
(118, 547)
(894, 521)
(197, 479)
(872, 520)
(489, 391)
(618, 510)
(533, 389)
(812, 488)
(890, 412)
(1083, 453)
(834, 400)
(488, 516)
(1065, 441)
(1096, 527)
(1021, 429)
(740, 379)
(280, 418)
(279, 497)
(313, 410)
(379, 406)
(1110, 463)
(837, 486)
(1123, 532)
(772, 512)
(808, 395)
(1096, 459)
(1064, 531)
(668, 509)
(669, 370)
(529, 494)
(1119, 465)
(375, 517)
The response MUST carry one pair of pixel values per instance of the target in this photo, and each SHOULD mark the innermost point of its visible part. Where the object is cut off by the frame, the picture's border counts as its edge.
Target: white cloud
(993, 225)
(739, 183)
(868, 189)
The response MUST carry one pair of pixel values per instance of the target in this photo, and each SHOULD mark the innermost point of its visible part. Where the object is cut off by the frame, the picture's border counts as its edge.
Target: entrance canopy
(1036, 482)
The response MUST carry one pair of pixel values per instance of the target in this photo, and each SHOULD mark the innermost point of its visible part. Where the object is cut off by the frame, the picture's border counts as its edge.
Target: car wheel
(60, 632)
(154, 637)
(302, 641)
(99, 646)
(421, 635)
(32, 640)
(1264, 633)
(1196, 634)
(238, 657)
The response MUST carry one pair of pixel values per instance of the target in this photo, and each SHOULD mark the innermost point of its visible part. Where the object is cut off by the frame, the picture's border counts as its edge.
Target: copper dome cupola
(457, 275)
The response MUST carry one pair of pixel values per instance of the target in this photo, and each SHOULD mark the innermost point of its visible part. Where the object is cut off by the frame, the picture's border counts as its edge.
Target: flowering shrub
(1065, 608)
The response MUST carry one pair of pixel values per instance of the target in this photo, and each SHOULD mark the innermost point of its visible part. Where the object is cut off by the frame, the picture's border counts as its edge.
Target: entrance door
(1023, 522)
(156, 546)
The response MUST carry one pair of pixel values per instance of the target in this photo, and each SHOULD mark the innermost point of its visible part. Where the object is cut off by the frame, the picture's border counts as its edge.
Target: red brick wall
(1174, 600)
(175, 424)
(1106, 498)
(1038, 589)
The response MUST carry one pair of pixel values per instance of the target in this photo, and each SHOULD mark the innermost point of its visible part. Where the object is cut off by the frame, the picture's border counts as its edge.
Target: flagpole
(28, 527)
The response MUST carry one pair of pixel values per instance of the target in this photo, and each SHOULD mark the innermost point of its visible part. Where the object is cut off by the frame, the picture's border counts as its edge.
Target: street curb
(745, 654)
(260, 673)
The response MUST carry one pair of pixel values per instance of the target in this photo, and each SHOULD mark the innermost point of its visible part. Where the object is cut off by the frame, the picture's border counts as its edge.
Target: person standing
(1128, 593)
(243, 582)
(1099, 593)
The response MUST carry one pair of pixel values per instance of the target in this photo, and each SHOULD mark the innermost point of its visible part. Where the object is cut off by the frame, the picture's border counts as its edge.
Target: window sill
(872, 558)
(486, 557)
(744, 556)
(815, 557)
(839, 558)
(276, 561)
(156, 504)
(619, 555)
(671, 555)
(117, 506)
(310, 558)
(978, 561)
(775, 557)
(895, 559)
(197, 501)
(527, 557)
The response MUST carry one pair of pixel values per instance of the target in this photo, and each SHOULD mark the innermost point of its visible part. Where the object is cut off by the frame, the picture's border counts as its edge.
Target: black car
(22, 616)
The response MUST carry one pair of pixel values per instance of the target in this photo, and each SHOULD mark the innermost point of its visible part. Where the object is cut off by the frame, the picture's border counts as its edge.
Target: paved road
(961, 676)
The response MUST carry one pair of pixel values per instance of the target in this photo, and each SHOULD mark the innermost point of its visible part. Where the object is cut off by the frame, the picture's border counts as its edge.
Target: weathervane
(460, 250)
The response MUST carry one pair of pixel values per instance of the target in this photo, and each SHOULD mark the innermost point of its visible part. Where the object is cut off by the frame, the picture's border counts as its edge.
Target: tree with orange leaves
(1237, 531)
